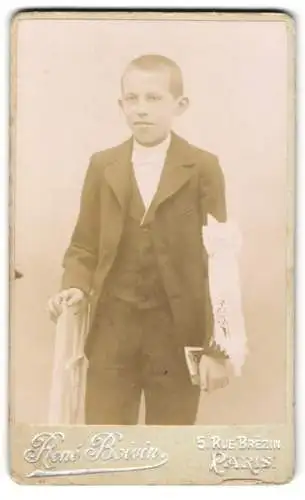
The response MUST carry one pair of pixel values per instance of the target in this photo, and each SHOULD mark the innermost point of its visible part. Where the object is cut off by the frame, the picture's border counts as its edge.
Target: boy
(137, 250)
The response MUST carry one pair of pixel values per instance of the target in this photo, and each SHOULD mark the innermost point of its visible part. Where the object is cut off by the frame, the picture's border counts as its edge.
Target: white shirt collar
(141, 153)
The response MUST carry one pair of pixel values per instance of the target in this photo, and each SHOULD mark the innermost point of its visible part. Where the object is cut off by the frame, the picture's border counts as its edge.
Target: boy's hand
(70, 297)
(214, 373)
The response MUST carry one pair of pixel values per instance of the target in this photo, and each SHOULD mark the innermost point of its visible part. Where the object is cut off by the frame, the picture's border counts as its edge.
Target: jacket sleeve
(212, 191)
(80, 259)
(213, 202)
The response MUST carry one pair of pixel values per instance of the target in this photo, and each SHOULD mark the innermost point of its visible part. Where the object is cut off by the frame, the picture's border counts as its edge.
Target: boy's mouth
(143, 124)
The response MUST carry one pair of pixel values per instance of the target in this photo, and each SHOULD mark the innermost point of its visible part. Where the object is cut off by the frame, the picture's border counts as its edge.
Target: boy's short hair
(155, 62)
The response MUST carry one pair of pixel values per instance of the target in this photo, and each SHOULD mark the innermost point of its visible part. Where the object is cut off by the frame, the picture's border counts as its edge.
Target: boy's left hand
(214, 373)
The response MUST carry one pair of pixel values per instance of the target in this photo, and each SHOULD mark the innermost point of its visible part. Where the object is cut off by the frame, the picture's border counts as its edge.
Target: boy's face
(148, 104)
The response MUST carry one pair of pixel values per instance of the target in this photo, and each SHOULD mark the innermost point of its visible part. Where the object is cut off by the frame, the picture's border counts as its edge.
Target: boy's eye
(130, 98)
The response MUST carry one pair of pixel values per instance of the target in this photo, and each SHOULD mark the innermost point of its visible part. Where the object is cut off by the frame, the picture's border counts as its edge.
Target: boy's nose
(141, 109)
(141, 112)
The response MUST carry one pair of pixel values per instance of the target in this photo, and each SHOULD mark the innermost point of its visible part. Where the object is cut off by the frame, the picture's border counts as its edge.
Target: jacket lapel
(118, 173)
(176, 173)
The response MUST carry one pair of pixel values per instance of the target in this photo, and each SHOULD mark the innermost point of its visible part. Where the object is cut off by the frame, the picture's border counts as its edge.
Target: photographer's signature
(107, 449)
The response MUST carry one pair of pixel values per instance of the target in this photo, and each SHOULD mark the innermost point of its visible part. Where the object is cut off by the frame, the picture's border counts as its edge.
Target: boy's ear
(182, 105)
(120, 103)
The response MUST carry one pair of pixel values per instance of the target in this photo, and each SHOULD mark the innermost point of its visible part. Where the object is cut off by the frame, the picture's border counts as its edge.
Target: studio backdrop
(68, 84)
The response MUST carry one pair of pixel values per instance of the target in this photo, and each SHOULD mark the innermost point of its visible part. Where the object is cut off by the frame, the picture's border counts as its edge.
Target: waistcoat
(135, 275)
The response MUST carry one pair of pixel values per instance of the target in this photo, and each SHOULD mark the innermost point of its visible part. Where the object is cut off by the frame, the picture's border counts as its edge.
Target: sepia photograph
(151, 224)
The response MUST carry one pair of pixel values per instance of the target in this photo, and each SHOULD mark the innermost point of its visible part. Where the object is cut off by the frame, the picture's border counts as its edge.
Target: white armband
(223, 244)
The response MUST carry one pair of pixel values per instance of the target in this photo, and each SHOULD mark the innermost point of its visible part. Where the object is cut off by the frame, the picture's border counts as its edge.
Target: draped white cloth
(68, 383)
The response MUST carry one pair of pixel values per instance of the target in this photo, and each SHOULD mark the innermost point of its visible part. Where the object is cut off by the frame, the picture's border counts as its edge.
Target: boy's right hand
(70, 297)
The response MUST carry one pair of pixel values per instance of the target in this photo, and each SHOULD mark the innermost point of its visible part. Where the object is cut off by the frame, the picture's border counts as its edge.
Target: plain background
(293, 488)
(68, 76)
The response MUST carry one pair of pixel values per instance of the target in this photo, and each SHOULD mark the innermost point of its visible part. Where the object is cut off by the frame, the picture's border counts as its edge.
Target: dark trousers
(131, 350)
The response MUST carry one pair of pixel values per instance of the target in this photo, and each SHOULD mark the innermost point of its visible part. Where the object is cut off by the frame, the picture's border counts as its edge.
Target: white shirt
(148, 163)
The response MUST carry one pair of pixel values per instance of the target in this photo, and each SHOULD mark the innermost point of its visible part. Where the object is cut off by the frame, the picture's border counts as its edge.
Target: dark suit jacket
(191, 186)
